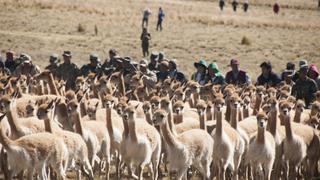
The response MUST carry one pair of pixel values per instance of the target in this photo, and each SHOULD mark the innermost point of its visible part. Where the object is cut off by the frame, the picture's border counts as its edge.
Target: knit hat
(314, 68)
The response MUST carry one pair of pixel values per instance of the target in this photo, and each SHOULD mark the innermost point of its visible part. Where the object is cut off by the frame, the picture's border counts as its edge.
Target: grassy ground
(192, 30)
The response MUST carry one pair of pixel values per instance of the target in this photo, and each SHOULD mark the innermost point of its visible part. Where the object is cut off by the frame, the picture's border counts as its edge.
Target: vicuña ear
(136, 107)
(2, 116)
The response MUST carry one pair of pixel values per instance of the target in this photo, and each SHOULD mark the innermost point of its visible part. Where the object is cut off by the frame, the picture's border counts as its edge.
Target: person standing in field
(145, 38)
(221, 4)
(145, 18)
(234, 5)
(52, 67)
(276, 8)
(237, 76)
(68, 71)
(246, 5)
(160, 18)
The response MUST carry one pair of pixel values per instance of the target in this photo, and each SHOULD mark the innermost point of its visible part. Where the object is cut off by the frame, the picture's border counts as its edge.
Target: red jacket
(241, 79)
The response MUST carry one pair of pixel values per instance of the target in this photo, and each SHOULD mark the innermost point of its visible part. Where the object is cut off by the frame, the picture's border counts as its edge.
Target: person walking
(246, 5)
(160, 19)
(234, 5)
(221, 4)
(145, 18)
(276, 8)
(145, 38)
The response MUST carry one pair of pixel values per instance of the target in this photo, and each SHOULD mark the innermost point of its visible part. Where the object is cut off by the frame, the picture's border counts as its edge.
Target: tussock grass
(245, 41)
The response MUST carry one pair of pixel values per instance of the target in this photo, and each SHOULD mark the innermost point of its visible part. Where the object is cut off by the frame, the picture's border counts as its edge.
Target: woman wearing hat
(214, 75)
(314, 74)
(200, 75)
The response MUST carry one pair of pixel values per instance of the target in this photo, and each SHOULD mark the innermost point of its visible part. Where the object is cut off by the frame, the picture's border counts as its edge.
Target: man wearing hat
(174, 73)
(93, 67)
(200, 75)
(268, 77)
(290, 67)
(305, 87)
(109, 63)
(10, 63)
(148, 77)
(236, 76)
(26, 67)
(52, 67)
(163, 71)
(68, 71)
(214, 75)
(153, 65)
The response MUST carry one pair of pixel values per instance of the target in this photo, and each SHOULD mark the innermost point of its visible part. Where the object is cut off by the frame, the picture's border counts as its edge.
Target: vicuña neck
(203, 121)
(260, 135)
(273, 121)
(109, 122)
(148, 117)
(228, 113)
(245, 112)
(167, 134)
(171, 124)
(297, 116)
(78, 124)
(14, 126)
(219, 122)
(288, 128)
(125, 129)
(48, 125)
(257, 105)
(133, 131)
(234, 118)
(52, 85)
(178, 118)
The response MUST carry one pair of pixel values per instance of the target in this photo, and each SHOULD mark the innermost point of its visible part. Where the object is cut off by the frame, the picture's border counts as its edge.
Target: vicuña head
(160, 117)
(262, 119)
(201, 107)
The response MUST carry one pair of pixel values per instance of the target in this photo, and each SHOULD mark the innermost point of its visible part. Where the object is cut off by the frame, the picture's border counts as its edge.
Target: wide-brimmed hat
(304, 68)
(143, 63)
(266, 64)
(164, 64)
(94, 57)
(25, 58)
(54, 58)
(67, 53)
(154, 56)
(303, 62)
(202, 63)
(288, 73)
(215, 67)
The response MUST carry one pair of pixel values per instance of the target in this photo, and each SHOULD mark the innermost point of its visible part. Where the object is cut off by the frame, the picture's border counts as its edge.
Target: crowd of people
(305, 81)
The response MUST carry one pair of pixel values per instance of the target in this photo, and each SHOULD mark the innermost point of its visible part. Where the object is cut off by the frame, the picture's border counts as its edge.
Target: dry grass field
(192, 30)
